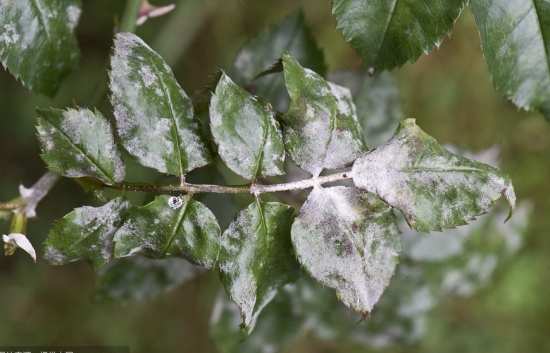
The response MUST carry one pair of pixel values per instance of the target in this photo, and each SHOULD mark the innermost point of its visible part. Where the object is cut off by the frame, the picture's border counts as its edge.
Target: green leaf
(139, 278)
(154, 115)
(455, 263)
(377, 101)
(256, 257)
(185, 228)
(515, 37)
(276, 329)
(388, 33)
(249, 138)
(291, 35)
(37, 41)
(85, 234)
(349, 241)
(434, 188)
(321, 128)
(79, 143)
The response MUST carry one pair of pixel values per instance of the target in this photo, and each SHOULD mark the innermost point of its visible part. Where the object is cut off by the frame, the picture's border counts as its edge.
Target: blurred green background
(450, 94)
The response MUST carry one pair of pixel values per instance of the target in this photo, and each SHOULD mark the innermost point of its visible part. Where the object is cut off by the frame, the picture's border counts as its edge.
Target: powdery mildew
(434, 188)
(154, 115)
(322, 130)
(248, 137)
(349, 241)
(78, 143)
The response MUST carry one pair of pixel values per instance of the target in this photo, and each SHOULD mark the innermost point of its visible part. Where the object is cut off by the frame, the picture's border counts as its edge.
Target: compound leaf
(183, 228)
(249, 138)
(37, 41)
(321, 129)
(85, 234)
(434, 188)
(348, 240)
(154, 115)
(256, 257)
(388, 33)
(79, 143)
(515, 37)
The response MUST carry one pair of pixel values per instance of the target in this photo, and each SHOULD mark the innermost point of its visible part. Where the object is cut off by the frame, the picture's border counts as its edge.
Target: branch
(30, 198)
(255, 189)
(130, 16)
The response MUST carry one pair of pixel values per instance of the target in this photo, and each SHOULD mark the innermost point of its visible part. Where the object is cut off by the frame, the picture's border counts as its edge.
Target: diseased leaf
(277, 328)
(347, 240)
(388, 33)
(377, 103)
(163, 228)
(292, 36)
(79, 143)
(456, 263)
(37, 41)
(321, 130)
(515, 37)
(434, 188)
(249, 138)
(139, 278)
(86, 233)
(154, 115)
(256, 257)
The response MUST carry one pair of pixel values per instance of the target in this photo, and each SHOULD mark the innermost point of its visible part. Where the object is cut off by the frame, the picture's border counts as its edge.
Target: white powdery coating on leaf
(325, 134)
(243, 287)
(411, 173)
(347, 246)
(91, 151)
(9, 35)
(73, 15)
(101, 222)
(154, 115)
(246, 132)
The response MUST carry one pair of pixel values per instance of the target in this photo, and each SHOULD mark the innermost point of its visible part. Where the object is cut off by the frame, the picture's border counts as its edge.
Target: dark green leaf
(290, 35)
(139, 278)
(249, 138)
(79, 143)
(163, 227)
(37, 41)
(321, 128)
(154, 115)
(515, 36)
(377, 101)
(85, 233)
(388, 33)
(256, 257)
(347, 240)
(277, 327)
(434, 188)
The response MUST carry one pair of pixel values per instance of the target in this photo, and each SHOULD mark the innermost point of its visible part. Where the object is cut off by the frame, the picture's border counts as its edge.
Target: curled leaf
(13, 241)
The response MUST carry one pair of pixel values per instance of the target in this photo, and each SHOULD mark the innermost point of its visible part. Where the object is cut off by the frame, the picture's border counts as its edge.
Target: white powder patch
(347, 246)
(73, 15)
(9, 35)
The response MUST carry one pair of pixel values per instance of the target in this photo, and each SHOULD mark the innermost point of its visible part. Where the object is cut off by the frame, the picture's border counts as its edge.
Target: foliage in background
(91, 167)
